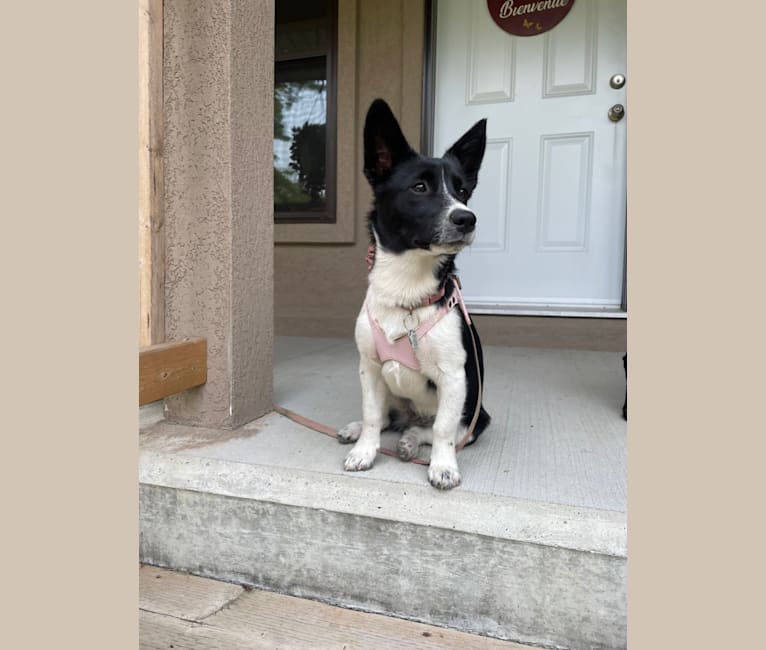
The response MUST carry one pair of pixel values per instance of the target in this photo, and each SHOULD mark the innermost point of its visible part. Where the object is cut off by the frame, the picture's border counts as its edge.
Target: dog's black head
(420, 203)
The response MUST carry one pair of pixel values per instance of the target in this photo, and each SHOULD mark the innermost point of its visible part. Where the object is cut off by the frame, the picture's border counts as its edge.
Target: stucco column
(218, 101)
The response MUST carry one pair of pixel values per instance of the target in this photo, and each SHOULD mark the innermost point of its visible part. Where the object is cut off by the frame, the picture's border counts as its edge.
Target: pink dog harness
(403, 349)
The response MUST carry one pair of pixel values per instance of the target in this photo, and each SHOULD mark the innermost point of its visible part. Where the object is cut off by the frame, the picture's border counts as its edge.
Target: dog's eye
(419, 188)
(462, 193)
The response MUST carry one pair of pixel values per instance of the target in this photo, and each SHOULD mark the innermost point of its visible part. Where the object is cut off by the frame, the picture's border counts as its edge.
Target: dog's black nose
(465, 220)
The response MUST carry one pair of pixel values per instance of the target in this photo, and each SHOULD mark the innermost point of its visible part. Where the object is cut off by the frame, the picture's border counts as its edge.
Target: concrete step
(268, 505)
(178, 610)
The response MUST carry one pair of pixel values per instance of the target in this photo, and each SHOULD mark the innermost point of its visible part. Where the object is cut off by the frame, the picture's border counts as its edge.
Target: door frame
(428, 109)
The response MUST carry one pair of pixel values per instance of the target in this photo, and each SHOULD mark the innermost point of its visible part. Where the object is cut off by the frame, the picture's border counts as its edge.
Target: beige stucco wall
(218, 116)
(320, 287)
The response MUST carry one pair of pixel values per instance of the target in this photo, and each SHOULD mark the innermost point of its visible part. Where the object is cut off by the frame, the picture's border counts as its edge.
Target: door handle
(616, 113)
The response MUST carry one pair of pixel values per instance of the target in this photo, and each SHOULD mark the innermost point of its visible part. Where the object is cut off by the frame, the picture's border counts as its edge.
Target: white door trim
(547, 309)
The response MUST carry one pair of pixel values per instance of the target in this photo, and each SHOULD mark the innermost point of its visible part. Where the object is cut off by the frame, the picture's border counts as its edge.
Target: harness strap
(400, 350)
(455, 299)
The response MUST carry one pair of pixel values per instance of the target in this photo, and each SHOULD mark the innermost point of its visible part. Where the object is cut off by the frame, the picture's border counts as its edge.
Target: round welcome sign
(528, 17)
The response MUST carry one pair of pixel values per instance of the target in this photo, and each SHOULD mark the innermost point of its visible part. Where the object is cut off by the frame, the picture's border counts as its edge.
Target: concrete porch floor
(540, 517)
(557, 435)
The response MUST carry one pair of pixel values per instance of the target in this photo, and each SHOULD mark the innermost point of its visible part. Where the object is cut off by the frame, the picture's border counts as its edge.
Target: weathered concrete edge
(579, 529)
(527, 593)
(150, 414)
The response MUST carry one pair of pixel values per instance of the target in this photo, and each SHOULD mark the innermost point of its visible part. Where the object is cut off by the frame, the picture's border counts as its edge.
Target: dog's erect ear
(469, 149)
(384, 143)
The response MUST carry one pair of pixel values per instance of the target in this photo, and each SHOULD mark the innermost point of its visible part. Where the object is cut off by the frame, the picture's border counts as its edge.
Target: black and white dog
(421, 365)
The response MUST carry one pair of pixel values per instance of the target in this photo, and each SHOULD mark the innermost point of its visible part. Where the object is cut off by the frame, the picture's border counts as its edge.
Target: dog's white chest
(410, 385)
(392, 373)
(400, 379)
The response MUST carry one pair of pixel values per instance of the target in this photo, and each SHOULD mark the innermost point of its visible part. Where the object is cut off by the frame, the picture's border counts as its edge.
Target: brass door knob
(616, 113)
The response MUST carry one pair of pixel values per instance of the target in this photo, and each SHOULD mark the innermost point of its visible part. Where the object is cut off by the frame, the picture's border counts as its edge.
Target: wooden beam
(151, 236)
(168, 368)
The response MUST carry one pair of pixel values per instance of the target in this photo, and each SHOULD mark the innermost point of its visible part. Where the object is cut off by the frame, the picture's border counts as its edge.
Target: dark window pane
(300, 135)
(302, 28)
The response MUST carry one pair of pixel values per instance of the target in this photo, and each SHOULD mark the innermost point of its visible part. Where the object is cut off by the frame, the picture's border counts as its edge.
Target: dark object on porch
(625, 405)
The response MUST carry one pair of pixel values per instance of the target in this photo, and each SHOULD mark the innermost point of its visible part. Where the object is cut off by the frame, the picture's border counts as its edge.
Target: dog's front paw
(444, 477)
(350, 433)
(359, 458)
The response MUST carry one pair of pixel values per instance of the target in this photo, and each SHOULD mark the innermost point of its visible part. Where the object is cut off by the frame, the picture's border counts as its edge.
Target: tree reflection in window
(300, 134)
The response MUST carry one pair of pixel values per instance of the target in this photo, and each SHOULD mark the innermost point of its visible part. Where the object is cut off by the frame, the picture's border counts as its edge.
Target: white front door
(551, 197)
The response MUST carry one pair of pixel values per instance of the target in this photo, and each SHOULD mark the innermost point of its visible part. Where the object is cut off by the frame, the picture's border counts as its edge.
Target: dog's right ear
(469, 149)
(384, 143)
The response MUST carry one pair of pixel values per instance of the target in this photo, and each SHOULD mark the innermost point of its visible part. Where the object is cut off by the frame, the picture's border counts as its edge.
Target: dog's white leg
(412, 438)
(374, 416)
(443, 471)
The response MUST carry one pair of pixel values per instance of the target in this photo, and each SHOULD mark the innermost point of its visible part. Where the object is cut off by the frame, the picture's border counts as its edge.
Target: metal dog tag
(412, 328)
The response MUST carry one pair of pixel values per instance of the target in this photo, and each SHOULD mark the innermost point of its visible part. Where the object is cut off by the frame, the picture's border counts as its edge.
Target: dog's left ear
(469, 149)
(384, 143)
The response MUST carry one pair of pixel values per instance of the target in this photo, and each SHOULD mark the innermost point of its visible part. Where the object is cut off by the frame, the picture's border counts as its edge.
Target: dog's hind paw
(359, 459)
(443, 477)
(350, 433)
(407, 447)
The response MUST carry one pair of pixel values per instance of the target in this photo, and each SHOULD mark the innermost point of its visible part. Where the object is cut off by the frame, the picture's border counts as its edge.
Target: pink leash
(328, 431)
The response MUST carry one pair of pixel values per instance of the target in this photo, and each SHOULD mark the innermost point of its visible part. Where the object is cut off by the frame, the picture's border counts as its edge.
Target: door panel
(494, 202)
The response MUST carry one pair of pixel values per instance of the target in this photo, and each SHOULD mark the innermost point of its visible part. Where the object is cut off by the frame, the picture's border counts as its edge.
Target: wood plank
(182, 595)
(168, 368)
(160, 632)
(263, 620)
(150, 175)
(296, 623)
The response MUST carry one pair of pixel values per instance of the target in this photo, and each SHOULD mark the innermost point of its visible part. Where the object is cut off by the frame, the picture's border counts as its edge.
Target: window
(304, 111)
